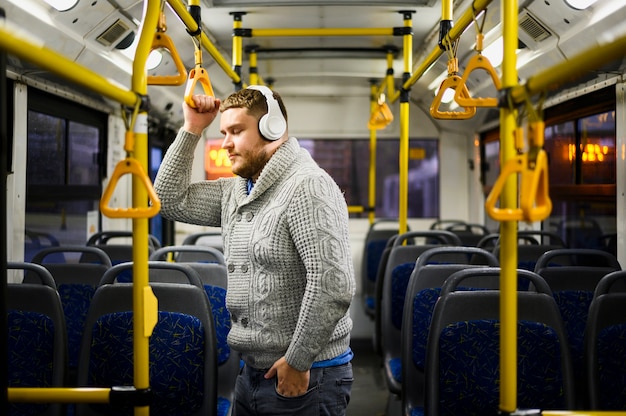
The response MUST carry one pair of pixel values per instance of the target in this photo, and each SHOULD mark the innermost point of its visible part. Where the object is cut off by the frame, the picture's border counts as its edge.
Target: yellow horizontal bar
(459, 27)
(60, 65)
(58, 395)
(355, 209)
(181, 10)
(323, 32)
(571, 68)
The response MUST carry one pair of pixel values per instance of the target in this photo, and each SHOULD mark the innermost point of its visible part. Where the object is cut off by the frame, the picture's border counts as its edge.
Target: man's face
(246, 148)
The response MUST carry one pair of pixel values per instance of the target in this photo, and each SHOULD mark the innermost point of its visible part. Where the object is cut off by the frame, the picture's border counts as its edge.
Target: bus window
(64, 169)
(347, 161)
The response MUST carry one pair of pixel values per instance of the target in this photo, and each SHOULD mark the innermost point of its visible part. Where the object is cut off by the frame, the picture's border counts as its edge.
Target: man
(284, 224)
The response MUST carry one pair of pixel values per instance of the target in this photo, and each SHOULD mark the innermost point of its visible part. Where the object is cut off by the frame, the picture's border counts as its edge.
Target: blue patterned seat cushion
(75, 299)
(612, 367)
(30, 350)
(400, 276)
(574, 308)
(176, 361)
(469, 368)
(374, 253)
(221, 316)
(423, 306)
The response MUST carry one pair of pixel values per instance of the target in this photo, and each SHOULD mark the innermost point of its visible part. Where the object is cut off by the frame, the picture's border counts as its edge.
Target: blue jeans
(328, 394)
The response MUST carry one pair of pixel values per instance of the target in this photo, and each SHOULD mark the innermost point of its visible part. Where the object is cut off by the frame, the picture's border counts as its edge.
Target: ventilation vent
(113, 33)
(533, 28)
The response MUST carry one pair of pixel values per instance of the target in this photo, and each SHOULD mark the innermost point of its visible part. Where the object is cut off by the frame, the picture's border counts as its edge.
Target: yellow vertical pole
(508, 230)
(407, 46)
(254, 70)
(237, 43)
(371, 199)
(141, 288)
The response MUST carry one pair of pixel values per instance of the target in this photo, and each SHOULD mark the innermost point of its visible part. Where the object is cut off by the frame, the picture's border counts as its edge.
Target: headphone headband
(273, 124)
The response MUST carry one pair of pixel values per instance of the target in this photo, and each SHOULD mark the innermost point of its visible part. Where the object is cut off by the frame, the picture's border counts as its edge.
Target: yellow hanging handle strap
(129, 166)
(197, 74)
(380, 118)
(454, 82)
(478, 61)
(532, 168)
(163, 41)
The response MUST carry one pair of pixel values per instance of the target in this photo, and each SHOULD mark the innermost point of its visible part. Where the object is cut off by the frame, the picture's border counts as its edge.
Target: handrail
(179, 8)
(478, 61)
(133, 167)
(58, 64)
(455, 32)
(535, 203)
(453, 81)
(381, 115)
(163, 41)
(197, 74)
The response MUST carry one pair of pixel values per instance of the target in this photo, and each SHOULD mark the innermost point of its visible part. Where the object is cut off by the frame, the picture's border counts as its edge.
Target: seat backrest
(462, 370)
(37, 343)
(183, 356)
(213, 278)
(119, 252)
(375, 243)
(396, 265)
(189, 253)
(580, 232)
(422, 292)
(604, 346)
(35, 241)
(573, 280)
(206, 238)
(469, 233)
(398, 270)
(76, 283)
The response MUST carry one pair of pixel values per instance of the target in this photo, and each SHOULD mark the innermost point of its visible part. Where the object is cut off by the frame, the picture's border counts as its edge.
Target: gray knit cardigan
(290, 272)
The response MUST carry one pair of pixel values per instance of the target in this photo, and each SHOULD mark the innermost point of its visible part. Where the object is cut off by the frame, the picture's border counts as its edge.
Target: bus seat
(394, 282)
(421, 294)
(462, 371)
(605, 345)
(573, 280)
(375, 242)
(214, 278)
(37, 343)
(76, 283)
(183, 355)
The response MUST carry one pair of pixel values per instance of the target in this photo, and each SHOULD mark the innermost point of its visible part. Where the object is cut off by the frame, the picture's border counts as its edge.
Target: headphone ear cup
(273, 124)
(272, 127)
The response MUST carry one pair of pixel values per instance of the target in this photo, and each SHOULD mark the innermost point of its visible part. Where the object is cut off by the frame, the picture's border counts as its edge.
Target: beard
(250, 163)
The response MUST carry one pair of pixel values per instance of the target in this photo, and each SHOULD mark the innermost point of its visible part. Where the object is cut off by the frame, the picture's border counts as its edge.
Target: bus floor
(369, 392)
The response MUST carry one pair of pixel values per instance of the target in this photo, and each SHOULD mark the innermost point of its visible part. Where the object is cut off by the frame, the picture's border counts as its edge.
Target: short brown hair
(253, 100)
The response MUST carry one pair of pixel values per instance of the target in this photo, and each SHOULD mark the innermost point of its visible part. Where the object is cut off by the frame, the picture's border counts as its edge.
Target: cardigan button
(244, 322)
(238, 217)
(231, 267)
(249, 216)
(244, 268)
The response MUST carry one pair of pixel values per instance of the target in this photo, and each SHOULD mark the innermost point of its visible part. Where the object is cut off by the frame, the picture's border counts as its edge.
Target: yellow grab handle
(195, 75)
(380, 118)
(454, 82)
(163, 41)
(478, 62)
(535, 203)
(534, 199)
(133, 167)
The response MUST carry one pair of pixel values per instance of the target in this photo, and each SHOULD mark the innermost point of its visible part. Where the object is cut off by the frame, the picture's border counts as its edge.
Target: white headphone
(273, 124)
